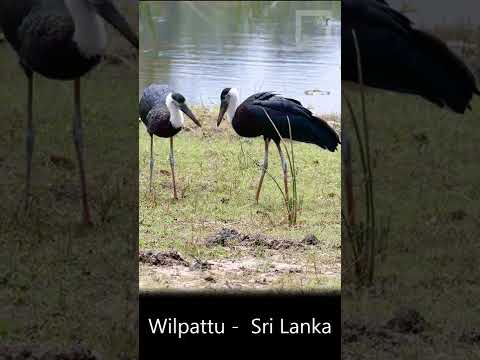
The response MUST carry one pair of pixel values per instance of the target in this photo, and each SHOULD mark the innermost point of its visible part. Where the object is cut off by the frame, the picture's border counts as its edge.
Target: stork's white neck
(232, 104)
(176, 116)
(89, 35)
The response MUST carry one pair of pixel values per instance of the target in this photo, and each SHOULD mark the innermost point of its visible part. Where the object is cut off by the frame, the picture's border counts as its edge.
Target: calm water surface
(201, 48)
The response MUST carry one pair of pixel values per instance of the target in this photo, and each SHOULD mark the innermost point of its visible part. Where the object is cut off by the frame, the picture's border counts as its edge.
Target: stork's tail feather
(447, 69)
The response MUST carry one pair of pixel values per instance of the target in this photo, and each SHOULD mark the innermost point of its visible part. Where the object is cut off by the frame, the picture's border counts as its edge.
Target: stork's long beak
(223, 109)
(107, 10)
(189, 113)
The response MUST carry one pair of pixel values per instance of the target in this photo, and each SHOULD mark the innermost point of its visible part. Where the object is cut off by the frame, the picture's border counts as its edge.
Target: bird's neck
(89, 36)
(232, 106)
(176, 116)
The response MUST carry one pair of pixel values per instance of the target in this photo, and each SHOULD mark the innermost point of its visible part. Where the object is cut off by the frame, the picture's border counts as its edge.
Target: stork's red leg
(264, 169)
(29, 139)
(79, 146)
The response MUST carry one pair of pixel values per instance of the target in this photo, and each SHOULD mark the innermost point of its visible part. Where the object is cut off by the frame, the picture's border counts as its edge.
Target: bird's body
(62, 40)
(397, 57)
(161, 111)
(51, 41)
(154, 112)
(286, 119)
(250, 120)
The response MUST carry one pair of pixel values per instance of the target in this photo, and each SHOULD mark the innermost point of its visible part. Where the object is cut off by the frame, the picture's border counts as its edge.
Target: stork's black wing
(374, 12)
(153, 95)
(397, 57)
(304, 126)
(12, 14)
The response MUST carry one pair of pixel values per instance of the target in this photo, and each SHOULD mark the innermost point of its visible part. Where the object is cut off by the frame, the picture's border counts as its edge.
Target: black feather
(154, 112)
(178, 98)
(250, 120)
(399, 58)
(224, 93)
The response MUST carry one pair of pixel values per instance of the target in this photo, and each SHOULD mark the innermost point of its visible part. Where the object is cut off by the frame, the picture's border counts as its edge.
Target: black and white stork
(397, 57)
(62, 40)
(249, 119)
(161, 111)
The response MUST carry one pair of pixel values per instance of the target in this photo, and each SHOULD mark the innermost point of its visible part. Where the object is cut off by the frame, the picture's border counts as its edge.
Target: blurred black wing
(399, 58)
(304, 126)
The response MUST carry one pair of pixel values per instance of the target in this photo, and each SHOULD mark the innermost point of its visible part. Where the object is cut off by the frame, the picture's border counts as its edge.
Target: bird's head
(228, 103)
(177, 101)
(108, 11)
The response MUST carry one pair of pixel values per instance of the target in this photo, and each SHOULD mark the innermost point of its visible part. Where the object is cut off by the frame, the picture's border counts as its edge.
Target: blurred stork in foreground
(397, 57)
(381, 49)
(249, 119)
(62, 40)
(161, 111)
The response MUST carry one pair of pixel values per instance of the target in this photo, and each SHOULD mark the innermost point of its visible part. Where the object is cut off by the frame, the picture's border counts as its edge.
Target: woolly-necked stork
(161, 111)
(249, 119)
(395, 56)
(63, 40)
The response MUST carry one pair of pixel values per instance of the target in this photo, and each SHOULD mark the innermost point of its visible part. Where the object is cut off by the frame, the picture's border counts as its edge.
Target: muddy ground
(261, 262)
(226, 239)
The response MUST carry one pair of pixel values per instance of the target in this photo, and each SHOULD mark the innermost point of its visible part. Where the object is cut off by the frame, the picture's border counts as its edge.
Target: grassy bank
(426, 181)
(217, 178)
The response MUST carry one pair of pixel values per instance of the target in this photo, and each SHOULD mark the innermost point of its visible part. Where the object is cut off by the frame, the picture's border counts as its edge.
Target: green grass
(426, 185)
(217, 179)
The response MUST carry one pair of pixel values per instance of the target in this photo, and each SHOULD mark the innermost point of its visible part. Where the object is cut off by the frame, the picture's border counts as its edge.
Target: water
(200, 48)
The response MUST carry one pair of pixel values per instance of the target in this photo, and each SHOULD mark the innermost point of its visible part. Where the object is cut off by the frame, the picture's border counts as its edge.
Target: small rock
(458, 215)
(200, 265)
(310, 239)
(162, 259)
(406, 320)
(223, 237)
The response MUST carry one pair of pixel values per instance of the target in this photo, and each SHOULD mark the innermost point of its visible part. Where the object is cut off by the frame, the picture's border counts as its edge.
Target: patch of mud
(62, 162)
(381, 338)
(170, 258)
(228, 274)
(405, 322)
(30, 352)
(458, 215)
(310, 239)
(408, 321)
(231, 237)
(223, 237)
(470, 337)
(243, 273)
(198, 264)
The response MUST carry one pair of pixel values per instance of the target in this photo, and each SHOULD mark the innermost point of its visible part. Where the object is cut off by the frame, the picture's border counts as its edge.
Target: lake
(199, 48)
